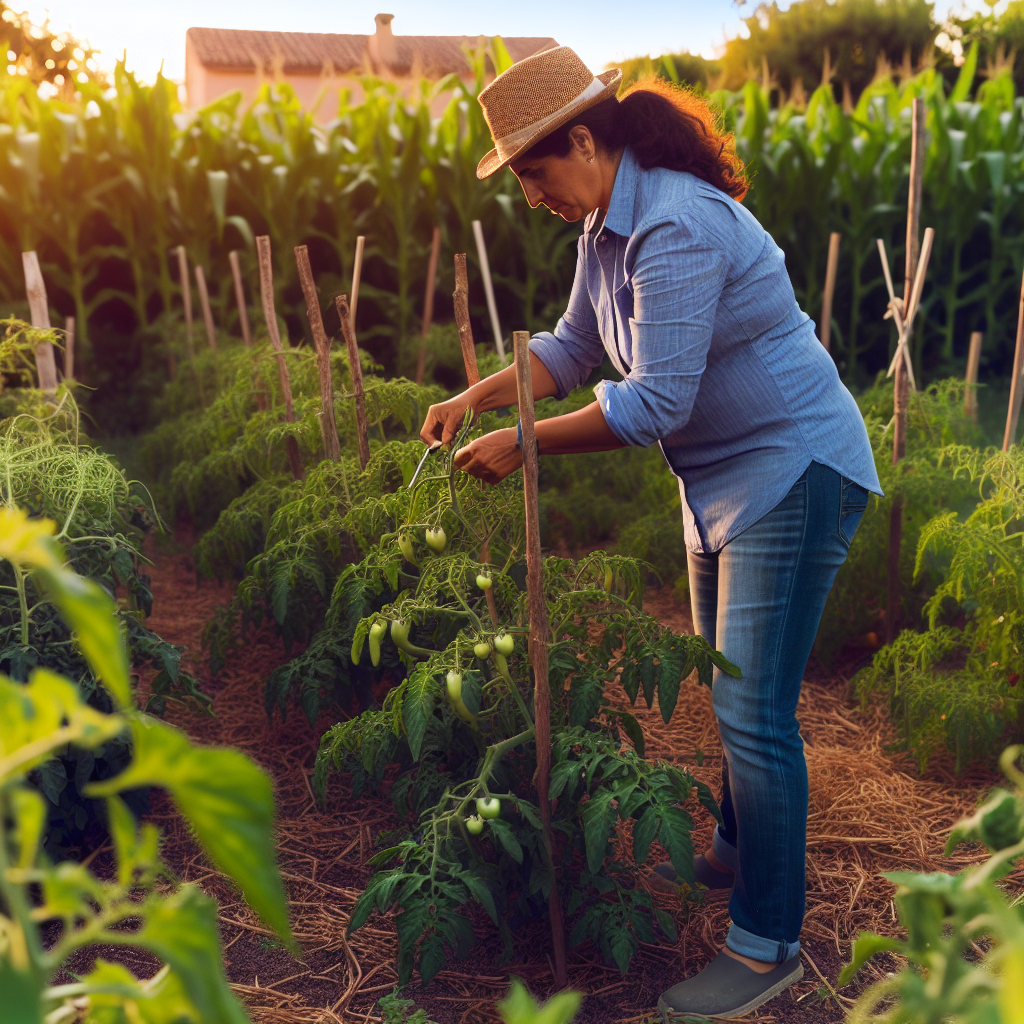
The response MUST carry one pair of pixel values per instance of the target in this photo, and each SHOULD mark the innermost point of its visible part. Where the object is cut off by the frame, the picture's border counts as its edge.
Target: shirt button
(603, 238)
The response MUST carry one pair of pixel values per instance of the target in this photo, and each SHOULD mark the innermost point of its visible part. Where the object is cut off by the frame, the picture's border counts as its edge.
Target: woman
(688, 296)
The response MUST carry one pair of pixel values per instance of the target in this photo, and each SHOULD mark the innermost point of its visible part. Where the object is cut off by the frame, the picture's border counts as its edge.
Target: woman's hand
(491, 457)
(445, 419)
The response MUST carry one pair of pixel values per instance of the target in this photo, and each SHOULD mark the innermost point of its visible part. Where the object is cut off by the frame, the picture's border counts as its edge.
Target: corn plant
(225, 798)
(965, 939)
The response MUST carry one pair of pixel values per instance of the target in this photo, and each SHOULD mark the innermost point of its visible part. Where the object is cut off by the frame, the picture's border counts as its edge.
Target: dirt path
(869, 812)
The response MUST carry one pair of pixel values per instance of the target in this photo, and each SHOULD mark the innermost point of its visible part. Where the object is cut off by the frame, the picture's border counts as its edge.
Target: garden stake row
(328, 428)
(428, 303)
(204, 302)
(539, 632)
(270, 315)
(461, 299)
(485, 271)
(356, 372)
(1013, 411)
(831, 269)
(243, 312)
(69, 348)
(39, 309)
(971, 376)
(357, 274)
(186, 298)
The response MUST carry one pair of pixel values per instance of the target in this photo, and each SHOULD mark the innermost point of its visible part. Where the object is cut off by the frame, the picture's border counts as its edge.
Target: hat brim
(493, 162)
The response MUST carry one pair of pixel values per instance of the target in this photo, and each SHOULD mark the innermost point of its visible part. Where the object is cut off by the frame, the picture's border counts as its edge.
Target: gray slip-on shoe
(663, 876)
(727, 988)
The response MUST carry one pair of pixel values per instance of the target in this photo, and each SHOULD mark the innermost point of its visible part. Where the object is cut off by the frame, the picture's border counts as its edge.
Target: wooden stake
(328, 427)
(357, 276)
(69, 348)
(186, 297)
(204, 301)
(485, 271)
(39, 310)
(1016, 384)
(971, 377)
(356, 372)
(243, 312)
(270, 315)
(539, 633)
(831, 268)
(901, 389)
(428, 303)
(461, 299)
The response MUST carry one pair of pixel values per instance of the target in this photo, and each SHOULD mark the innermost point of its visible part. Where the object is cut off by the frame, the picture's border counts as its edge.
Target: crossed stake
(895, 308)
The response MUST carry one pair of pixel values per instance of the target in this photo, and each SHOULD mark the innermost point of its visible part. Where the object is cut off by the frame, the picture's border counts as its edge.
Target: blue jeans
(759, 601)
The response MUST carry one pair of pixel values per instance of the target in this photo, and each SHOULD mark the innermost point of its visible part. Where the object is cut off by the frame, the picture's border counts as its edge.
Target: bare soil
(870, 811)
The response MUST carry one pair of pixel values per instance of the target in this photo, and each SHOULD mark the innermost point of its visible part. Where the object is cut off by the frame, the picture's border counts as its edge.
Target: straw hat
(536, 96)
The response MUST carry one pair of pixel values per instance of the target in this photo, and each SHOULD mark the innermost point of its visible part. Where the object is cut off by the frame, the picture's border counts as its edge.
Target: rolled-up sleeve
(575, 348)
(678, 273)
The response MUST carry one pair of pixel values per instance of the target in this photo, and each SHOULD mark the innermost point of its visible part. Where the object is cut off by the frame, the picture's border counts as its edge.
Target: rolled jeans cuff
(769, 951)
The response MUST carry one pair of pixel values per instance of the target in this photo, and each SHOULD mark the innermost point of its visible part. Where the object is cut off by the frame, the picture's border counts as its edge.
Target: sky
(599, 30)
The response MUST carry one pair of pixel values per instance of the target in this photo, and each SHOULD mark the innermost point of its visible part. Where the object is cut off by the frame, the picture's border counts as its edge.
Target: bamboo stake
(356, 372)
(328, 427)
(971, 377)
(831, 268)
(485, 270)
(357, 276)
(539, 630)
(461, 299)
(1016, 384)
(186, 297)
(39, 310)
(69, 348)
(243, 312)
(901, 387)
(204, 301)
(284, 376)
(428, 303)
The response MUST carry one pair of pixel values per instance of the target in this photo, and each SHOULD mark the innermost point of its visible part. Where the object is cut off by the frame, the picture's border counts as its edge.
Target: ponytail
(665, 126)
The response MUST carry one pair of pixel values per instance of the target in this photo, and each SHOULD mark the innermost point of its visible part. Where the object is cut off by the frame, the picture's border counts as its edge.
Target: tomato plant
(459, 726)
(226, 799)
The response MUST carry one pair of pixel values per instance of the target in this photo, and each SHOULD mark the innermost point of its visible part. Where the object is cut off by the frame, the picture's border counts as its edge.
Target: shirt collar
(620, 209)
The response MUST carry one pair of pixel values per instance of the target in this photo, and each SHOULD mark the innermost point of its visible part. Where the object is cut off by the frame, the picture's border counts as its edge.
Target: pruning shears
(431, 449)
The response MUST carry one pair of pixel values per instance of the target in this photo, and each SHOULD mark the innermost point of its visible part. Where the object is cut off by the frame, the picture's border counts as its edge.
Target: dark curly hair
(665, 126)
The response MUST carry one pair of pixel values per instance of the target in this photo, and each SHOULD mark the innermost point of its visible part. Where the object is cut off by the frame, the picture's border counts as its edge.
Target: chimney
(382, 46)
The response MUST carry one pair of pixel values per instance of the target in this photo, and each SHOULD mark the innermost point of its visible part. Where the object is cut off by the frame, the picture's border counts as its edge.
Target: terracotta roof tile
(310, 52)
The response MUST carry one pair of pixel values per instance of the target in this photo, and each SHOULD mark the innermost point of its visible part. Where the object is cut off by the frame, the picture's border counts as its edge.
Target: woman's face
(571, 186)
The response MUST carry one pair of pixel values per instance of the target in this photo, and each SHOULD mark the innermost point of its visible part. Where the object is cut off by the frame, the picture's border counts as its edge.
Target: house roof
(309, 53)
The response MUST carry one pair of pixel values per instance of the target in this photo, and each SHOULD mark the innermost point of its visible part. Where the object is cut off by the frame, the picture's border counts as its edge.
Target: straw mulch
(870, 812)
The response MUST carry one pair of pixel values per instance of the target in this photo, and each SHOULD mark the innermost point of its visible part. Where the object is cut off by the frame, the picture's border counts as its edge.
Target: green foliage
(926, 485)
(225, 798)
(452, 751)
(519, 1007)
(947, 918)
(103, 518)
(958, 685)
(399, 1011)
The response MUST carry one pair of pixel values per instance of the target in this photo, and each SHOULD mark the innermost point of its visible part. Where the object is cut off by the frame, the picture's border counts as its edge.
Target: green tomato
(437, 540)
(377, 631)
(609, 579)
(475, 825)
(488, 807)
(482, 650)
(400, 632)
(455, 686)
(405, 545)
(504, 644)
(484, 582)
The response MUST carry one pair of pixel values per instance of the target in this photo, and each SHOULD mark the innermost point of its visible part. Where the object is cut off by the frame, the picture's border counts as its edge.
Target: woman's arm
(494, 456)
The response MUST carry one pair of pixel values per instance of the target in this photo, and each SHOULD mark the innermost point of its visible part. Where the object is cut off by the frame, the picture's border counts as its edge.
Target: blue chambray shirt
(689, 297)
